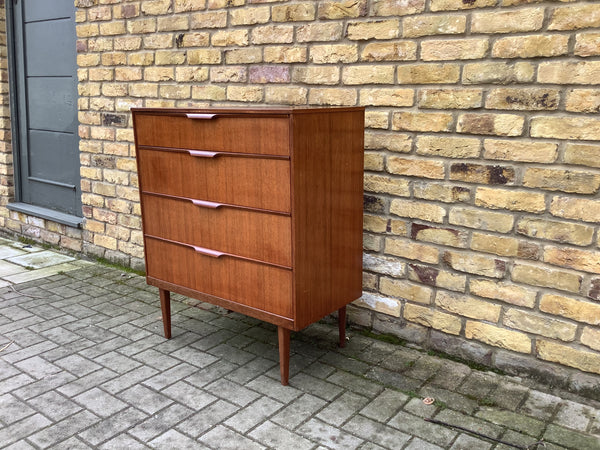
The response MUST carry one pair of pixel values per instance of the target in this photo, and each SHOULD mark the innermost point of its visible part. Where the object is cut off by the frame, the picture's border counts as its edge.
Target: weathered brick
(446, 193)
(333, 96)
(504, 246)
(591, 337)
(495, 124)
(173, 23)
(435, 277)
(453, 49)
(188, 74)
(518, 21)
(575, 17)
(406, 290)
(380, 29)
(204, 56)
(422, 168)
(583, 100)
(531, 46)
(156, 41)
(334, 53)
(420, 121)
(375, 224)
(467, 306)
(563, 354)
(503, 291)
(572, 181)
(525, 151)
(428, 73)
(293, 13)
(374, 161)
(569, 72)
(482, 174)
(583, 209)
(531, 99)
(269, 74)
(405, 248)
(386, 97)
(448, 147)
(156, 7)
(450, 98)
(418, 210)
(127, 43)
(380, 303)
(342, 9)
(235, 74)
(582, 154)
(286, 95)
(578, 259)
(581, 311)
(564, 232)
(227, 38)
(212, 19)
(431, 318)
(475, 264)
(576, 128)
(272, 34)
(394, 142)
(322, 75)
(442, 236)
(319, 32)
(538, 324)
(376, 74)
(481, 219)
(394, 8)
(514, 200)
(249, 16)
(429, 25)
(587, 44)
(244, 93)
(389, 51)
(377, 119)
(452, 5)
(222, 4)
(194, 40)
(169, 57)
(498, 73)
(544, 276)
(241, 56)
(284, 54)
(498, 337)
(208, 92)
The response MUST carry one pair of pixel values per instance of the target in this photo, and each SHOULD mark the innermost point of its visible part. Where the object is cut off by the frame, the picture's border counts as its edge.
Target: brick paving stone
(419, 444)
(385, 405)
(466, 442)
(70, 444)
(189, 395)
(207, 418)
(174, 439)
(342, 408)
(417, 426)
(64, 429)
(376, 432)
(251, 370)
(123, 441)
(13, 409)
(232, 392)
(100, 402)
(315, 386)
(112, 426)
(540, 405)
(194, 356)
(509, 396)
(210, 374)
(299, 411)
(355, 383)
(514, 421)
(54, 405)
(574, 416)
(274, 436)
(14, 382)
(131, 378)
(253, 414)
(265, 386)
(77, 365)
(145, 399)
(161, 422)
(79, 385)
(452, 417)
(417, 407)
(570, 438)
(455, 400)
(47, 384)
(225, 439)
(328, 435)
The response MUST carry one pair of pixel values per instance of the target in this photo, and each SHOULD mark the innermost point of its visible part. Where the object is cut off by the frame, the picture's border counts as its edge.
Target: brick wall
(482, 161)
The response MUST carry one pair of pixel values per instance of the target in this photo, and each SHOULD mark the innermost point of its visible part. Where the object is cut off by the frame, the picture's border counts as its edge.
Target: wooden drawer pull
(206, 204)
(202, 154)
(201, 116)
(207, 252)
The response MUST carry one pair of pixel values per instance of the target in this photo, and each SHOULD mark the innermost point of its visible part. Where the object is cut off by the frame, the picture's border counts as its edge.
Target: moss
(471, 364)
(107, 263)
(389, 338)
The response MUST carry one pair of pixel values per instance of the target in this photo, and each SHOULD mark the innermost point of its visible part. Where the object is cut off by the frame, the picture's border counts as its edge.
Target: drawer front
(244, 133)
(257, 285)
(244, 232)
(262, 183)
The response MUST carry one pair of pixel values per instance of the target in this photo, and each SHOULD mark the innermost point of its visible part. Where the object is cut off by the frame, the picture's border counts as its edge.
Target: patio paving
(83, 364)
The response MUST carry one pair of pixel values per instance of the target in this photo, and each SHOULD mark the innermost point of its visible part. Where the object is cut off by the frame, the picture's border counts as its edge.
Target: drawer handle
(208, 252)
(202, 154)
(200, 116)
(206, 204)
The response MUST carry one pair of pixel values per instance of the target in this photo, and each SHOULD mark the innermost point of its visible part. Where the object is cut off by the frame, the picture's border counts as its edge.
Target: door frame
(16, 113)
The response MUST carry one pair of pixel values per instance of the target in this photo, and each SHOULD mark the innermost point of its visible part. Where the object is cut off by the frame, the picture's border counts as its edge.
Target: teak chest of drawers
(256, 210)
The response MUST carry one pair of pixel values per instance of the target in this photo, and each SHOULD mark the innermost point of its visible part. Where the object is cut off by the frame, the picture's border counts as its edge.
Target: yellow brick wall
(482, 158)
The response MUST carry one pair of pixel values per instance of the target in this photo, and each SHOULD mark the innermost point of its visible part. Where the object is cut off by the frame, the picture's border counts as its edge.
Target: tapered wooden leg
(342, 325)
(165, 306)
(284, 354)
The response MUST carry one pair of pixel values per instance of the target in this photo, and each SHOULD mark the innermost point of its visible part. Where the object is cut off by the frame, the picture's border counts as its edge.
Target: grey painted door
(46, 76)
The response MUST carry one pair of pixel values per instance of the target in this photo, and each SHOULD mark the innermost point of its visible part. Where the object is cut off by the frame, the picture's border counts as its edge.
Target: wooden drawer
(243, 133)
(257, 285)
(244, 232)
(262, 183)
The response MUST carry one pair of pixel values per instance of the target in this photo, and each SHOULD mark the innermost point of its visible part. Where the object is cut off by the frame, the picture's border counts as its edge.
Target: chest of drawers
(256, 210)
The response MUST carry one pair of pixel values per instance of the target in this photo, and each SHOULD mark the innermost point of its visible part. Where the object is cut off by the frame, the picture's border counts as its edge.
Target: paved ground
(83, 364)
